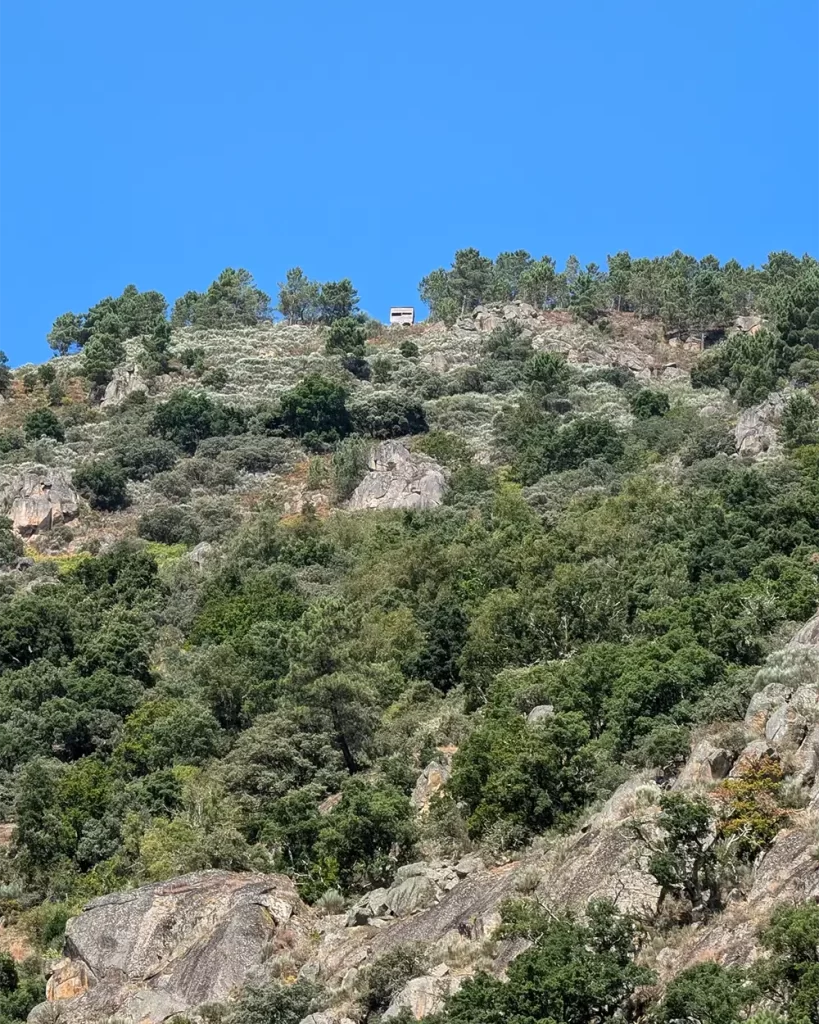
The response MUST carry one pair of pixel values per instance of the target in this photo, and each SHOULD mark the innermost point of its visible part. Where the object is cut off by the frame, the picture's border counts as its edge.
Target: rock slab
(37, 498)
(399, 478)
(163, 949)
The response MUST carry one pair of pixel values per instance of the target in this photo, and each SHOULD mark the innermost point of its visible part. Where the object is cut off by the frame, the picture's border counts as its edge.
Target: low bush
(103, 483)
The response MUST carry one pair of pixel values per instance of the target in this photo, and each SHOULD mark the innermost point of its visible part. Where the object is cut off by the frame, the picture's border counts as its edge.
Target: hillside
(466, 669)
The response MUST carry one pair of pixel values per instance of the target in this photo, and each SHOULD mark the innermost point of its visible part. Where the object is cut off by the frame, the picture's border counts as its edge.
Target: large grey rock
(423, 996)
(540, 713)
(807, 636)
(372, 904)
(124, 382)
(749, 754)
(763, 703)
(37, 498)
(706, 763)
(411, 894)
(166, 948)
(756, 430)
(399, 478)
(786, 728)
(430, 782)
(748, 324)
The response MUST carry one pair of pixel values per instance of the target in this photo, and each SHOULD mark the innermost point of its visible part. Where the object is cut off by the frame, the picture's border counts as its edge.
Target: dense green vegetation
(609, 556)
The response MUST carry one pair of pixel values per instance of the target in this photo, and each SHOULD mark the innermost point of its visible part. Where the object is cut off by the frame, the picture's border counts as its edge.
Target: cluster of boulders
(416, 887)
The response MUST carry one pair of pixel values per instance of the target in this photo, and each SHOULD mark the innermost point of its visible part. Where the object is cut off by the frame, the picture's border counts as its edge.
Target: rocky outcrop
(430, 782)
(707, 763)
(425, 995)
(541, 713)
(748, 324)
(163, 949)
(399, 478)
(756, 430)
(37, 498)
(124, 382)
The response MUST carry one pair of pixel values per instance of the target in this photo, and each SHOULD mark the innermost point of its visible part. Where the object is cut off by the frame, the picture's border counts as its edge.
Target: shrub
(389, 973)
(103, 483)
(445, 447)
(168, 524)
(549, 372)
(193, 358)
(647, 403)
(316, 406)
(348, 466)
(574, 972)
(408, 349)
(190, 416)
(251, 453)
(142, 456)
(509, 343)
(276, 1004)
(215, 378)
(800, 421)
(385, 414)
(43, 423)
(345, 335)
(707, 993)
(751, 814)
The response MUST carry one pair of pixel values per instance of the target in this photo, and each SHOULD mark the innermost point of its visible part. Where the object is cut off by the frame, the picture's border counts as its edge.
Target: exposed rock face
(807, 636)
(707, 763)
(423, 996)
(540, 713)
(431, 781)
(748, 324)
(125, 381)
(755, 434)
(37, 498)
(162, 949)
(399, 478)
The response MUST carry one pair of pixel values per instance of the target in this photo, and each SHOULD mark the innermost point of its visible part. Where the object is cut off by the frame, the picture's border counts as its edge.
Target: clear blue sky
(158, 142)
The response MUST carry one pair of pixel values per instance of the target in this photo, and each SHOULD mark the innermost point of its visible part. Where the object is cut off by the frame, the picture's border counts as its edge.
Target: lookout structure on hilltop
(404, 316)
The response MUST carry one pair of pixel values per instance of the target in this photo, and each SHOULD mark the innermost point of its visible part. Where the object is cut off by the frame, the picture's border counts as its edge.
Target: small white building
(404, 316)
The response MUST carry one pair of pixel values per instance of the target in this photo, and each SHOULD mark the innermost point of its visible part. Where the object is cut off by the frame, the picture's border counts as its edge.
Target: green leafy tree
(531, 777)
(188, 417)
(708, 993)
(619, 270)
(346, 337)
(5, 374)
(316, 406)
(101, 355)
(337, 300)
(508, 270)
(800, 420)
(102, 482)
(43, 423)
(573, 973)
(538, 283)
(299, 297)
(685, 863)
(157, 349)
(68, 331)
(792, 972)
(436, 292)
(647, 404)
(232, 300)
